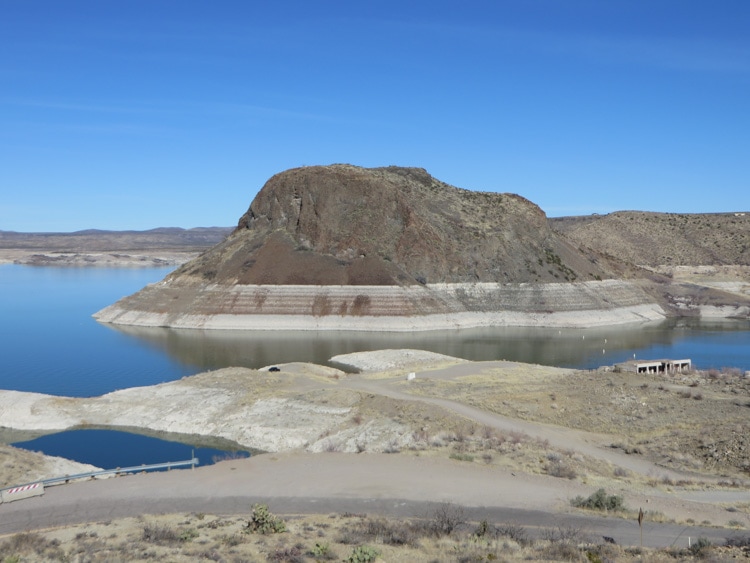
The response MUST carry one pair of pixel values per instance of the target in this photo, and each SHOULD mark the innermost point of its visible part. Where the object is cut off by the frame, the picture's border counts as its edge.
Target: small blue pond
(110, 449)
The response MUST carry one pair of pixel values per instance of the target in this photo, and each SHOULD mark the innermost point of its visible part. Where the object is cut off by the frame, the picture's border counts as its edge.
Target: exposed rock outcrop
(338, 247)
(344, 225)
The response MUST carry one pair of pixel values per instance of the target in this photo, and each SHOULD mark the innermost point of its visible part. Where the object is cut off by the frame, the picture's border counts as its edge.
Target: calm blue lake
(50, 344)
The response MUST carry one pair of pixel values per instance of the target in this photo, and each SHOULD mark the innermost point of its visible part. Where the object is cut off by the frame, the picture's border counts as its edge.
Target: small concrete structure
(657, 366)
(22, 492)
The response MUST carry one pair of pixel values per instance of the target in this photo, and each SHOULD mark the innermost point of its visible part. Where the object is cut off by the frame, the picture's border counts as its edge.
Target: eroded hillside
(658, 239)
(345, 225)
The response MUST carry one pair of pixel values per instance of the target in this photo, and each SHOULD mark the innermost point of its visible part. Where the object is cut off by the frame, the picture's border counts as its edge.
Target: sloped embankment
(290, 307)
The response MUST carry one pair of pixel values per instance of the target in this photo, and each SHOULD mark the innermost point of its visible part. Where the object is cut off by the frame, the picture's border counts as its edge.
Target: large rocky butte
(343, 225)
(338, 243)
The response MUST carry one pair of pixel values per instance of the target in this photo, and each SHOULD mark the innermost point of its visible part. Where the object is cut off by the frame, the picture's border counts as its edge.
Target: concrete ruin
(657, 366)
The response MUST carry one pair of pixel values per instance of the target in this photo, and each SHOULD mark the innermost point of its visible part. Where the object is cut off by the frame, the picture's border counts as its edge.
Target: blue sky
(134, 114)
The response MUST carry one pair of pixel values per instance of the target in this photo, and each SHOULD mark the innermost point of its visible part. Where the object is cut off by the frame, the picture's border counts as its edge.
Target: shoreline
(464, 320)
(384, 308)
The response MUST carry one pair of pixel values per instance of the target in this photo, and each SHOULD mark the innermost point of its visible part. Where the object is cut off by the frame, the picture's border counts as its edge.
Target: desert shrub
(559, 469)
(349, 536)
(621, 472)
(603, 553)
(154, 533)
(563, 544)
(513, 531)
(230, 540)
(209, 554)
(446, 518)
(387, 532)
(700, 546)
(484, 529)
(600, 500)
(263, 522)
(28, 543)
(563, 551)
(287, 555)
(188, 534)
(322, 552)
(569, 534)
(363, 554)
(738, 541)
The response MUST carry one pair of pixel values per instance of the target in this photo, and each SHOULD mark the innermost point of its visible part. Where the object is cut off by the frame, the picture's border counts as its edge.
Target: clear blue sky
(120, 114)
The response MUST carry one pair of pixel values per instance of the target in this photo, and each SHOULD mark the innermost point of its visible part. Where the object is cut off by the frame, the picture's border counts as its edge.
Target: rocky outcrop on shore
(341, 247)
(254, 409)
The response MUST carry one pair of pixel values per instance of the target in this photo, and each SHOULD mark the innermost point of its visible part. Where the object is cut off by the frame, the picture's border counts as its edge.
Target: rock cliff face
(344, 225)
(341, 246)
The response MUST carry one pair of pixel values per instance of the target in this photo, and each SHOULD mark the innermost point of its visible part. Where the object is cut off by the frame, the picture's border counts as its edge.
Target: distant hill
(657, 239)
(93, 240)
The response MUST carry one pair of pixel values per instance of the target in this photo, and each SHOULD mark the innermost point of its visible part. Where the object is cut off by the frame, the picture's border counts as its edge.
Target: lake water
(50, 344)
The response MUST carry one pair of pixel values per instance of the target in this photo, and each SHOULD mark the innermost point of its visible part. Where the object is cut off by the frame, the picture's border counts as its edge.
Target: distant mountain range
(93, 240)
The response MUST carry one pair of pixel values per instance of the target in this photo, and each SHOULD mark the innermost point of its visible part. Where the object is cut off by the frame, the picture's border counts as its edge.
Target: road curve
(395, 485)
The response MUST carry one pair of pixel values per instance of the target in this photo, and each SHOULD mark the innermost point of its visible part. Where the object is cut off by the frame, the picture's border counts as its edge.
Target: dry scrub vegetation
(443, 535)
(698, 421)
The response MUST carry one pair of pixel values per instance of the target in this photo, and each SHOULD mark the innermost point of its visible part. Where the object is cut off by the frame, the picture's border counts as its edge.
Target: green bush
(188, 534)
(263, 522)
(600, 501)
(322, 552)
(363, 554)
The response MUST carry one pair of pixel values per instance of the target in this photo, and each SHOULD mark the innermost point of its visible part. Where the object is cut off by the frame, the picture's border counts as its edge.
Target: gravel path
(395, 485)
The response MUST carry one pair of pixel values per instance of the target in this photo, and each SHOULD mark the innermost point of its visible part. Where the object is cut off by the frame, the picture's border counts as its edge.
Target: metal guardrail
(135, 469)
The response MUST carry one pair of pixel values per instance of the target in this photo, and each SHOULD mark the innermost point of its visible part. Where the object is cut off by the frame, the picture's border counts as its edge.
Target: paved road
(396, 485)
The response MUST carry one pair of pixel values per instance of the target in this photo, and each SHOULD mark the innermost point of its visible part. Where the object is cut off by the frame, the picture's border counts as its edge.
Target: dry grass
(442, 536)
(696, 422)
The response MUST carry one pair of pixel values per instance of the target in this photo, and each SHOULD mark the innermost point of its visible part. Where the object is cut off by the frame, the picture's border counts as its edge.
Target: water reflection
(581, 348)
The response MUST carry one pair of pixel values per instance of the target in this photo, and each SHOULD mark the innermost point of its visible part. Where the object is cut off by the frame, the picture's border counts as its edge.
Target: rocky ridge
(663, 239)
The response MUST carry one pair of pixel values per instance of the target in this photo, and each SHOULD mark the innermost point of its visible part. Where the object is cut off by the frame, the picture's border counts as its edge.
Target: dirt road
(396, 485)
